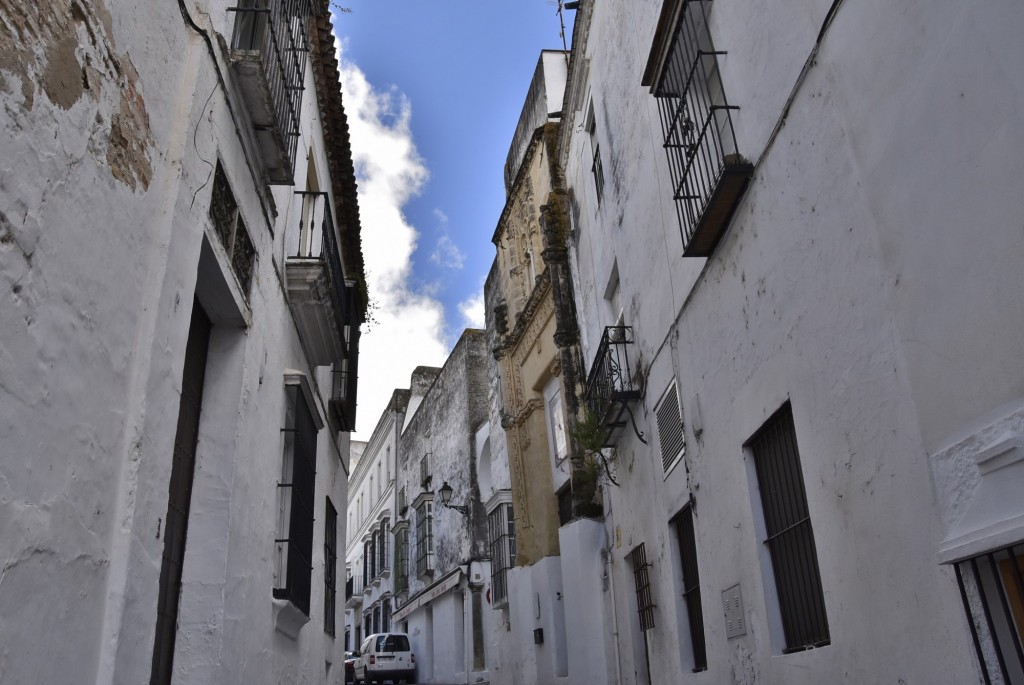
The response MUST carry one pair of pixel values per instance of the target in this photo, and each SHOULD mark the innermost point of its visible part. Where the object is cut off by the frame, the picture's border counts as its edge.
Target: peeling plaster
(65, 50)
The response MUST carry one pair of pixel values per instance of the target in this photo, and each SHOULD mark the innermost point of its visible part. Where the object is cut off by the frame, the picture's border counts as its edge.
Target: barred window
(644, 600)
(294, 542)
(385, 615)
(425, 538)
(501, 527)
(230, 228)
(708, 174)
(372, 554)
(402, 558)
(790, 538)
(683, 524)
(383, 563)
(992, 590)
(330, 565)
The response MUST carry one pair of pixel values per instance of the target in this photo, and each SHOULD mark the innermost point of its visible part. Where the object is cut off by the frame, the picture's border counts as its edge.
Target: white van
(386, 656)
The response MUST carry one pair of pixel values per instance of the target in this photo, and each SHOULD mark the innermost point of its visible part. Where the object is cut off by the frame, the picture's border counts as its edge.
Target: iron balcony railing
(276, 32)
(708, 174)
(610, 386)
(318, 240)
(348, 588)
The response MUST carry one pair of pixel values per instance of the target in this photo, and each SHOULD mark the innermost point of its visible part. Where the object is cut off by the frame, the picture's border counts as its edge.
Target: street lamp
(446, 498)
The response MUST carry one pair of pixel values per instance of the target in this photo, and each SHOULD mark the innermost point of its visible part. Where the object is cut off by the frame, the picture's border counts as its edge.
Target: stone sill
(288, 618)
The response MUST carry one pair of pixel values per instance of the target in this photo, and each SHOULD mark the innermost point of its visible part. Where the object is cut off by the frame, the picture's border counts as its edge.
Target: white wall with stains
(115, 119)
(868, 277)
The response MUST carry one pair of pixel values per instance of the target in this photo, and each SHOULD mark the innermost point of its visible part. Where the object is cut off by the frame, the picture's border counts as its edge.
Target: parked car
(385, 656)
(350, 666)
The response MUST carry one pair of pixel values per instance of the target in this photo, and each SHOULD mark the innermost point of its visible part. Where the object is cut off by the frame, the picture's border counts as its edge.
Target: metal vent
(670, 428)
(735, 620)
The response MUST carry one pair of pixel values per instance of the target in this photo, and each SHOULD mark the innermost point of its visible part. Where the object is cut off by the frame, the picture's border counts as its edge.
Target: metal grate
(697, 128)
(330, 565)
(992, 589)
(610, 385)
(790, 538)
(300, 439)
(230, 228)
(383, 562)
(645, 604)
(683, 524)
(425, 538)
(402, 560)
(278, 32)
(501, 528)
(670, 428)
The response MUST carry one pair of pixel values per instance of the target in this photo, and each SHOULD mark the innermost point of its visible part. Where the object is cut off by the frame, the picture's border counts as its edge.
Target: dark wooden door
(182, 471)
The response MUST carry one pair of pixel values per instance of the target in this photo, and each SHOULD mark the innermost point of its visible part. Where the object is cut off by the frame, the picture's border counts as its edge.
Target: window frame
(425, 537)
(296, 491)
(330, 567)
(501, 537)
(684, 527)
(788, 533)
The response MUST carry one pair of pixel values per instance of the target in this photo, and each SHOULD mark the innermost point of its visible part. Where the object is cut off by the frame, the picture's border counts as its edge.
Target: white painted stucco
(100, 239)
(867, 278)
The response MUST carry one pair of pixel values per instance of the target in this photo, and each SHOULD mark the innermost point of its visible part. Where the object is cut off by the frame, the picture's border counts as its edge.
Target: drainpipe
(606, 555)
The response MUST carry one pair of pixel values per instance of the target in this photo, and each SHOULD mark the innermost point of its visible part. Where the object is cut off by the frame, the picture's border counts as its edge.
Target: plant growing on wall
(591, 463)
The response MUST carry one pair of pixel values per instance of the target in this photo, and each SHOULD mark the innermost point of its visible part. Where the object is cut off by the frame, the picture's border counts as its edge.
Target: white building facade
(179, 248)
(795, 242)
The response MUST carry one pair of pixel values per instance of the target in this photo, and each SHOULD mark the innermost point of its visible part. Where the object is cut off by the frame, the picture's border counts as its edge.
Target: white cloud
(446, 253)
(472, 310)
(409, 327)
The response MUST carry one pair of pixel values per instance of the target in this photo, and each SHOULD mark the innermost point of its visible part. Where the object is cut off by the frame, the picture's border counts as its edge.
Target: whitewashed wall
(867, 278)
(105, 193)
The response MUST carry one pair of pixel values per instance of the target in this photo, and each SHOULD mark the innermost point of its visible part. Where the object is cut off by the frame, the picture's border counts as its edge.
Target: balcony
(320, 298)
(709, 176)
(611, 392)
(344, 378)
(354, 592)
(268, 57)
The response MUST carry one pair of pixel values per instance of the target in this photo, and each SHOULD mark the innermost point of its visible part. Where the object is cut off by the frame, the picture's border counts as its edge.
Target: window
(501, 528)
(708, 174)
(330, 565)
(670, 428)
(366, 564)
(234, 237)
(644, 601)
(402, 557)
(383, 563)
(385, 614)
(596, 168)
(425, 476)
(789, 536)
(683, 525)
(294, 542)
(992, 589)
(425, 538)
(556, 419)
(372, 554)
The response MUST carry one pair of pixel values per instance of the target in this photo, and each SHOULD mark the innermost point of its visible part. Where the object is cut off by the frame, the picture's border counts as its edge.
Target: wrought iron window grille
(611, 388)
(296, 491)
(230, 228)
(501, 528)
(330, 566)
(425, 538)
(992, 590)
(683, 524)
(273, 36)
(708, 174)
(641, 576)
(790, 538)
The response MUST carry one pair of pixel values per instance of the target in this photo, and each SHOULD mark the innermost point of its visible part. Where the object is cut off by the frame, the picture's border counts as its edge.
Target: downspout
(609, 578)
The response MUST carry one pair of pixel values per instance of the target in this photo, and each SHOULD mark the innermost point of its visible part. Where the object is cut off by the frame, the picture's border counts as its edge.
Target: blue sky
(433, 89)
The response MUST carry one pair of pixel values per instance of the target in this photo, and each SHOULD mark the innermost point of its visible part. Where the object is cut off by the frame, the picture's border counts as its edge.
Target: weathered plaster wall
(105, 191)
(850, 284)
